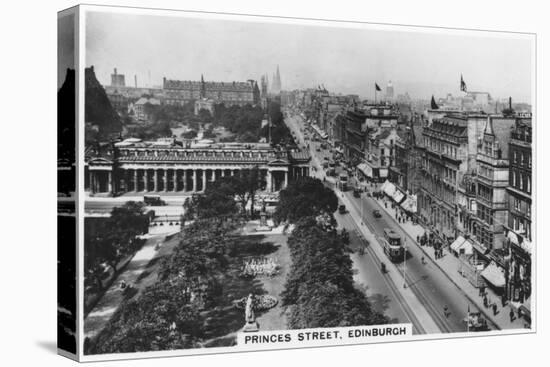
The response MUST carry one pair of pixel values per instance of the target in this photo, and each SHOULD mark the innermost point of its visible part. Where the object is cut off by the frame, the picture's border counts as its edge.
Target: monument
(250, 319)
(263, 219)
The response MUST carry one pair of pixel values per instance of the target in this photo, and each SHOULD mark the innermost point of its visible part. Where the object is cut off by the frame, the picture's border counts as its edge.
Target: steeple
(203, 88)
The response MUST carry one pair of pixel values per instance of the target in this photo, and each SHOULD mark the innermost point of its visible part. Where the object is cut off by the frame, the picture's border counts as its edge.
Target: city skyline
(418, 63)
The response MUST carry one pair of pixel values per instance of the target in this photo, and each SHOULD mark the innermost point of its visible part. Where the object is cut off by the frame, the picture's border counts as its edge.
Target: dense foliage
(221, 197)
(304, 197)
(244, 122)
(319, 290)
(172, 313)
(108, 240)
(153, 131)
(280, 134)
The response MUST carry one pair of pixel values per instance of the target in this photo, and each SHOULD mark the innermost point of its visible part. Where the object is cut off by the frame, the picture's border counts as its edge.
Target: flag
(462, 84)
(377, 87)
(434, 105)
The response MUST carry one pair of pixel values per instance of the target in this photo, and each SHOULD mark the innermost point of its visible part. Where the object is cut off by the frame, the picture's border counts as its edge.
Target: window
(517, 204)
(528, 188)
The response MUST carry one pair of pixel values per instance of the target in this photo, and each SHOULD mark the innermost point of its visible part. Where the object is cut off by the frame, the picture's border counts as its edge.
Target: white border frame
(81, 41)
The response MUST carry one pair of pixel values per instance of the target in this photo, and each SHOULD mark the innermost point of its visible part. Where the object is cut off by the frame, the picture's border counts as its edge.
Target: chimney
(510, 102)
(115, 71)
(135, 80)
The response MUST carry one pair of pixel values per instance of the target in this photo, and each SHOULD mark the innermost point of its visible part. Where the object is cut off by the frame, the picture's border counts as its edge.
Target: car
(342, 209)
(357, 193)
(377, 213)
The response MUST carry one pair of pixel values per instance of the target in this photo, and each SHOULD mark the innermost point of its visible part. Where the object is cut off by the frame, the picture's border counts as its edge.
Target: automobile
(376, 213)
(342, 209)
(318, 149)
(357, 193)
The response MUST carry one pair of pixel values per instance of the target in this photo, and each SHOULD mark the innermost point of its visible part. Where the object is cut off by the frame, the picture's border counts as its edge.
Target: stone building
(168, 165)
(180, 92)
(445, 160)
(520, 215)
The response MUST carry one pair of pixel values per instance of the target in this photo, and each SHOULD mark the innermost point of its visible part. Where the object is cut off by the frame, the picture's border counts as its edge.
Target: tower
(203, 88)
(277, 81)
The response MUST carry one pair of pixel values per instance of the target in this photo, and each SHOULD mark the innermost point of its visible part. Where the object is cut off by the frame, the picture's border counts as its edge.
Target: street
(430, 284)
(381, 291)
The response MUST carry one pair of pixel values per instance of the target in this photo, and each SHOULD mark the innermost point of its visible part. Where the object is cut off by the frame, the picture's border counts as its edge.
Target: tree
(111, 239)
(319, 289)
(190, 134)
(304, 197)
(218, 201)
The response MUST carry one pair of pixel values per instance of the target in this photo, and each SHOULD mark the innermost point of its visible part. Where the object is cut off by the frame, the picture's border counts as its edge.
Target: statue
(249, 317)
(263, 215)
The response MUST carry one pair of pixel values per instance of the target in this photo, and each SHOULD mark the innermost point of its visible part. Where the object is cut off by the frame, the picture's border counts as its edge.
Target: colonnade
(179, 180)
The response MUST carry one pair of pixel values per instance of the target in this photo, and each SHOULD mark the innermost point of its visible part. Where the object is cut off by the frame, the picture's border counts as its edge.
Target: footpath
(451, 265)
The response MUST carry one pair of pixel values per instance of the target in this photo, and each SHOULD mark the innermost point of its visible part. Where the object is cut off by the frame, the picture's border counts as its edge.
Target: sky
(421, 62)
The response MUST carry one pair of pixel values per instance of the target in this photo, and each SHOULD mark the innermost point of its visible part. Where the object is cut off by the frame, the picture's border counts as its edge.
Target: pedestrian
(481, 291)
(418, 238)
(485, 301)
(519, 313)
(446, 311)
(495, 307)
(423, 261)
(512, 315)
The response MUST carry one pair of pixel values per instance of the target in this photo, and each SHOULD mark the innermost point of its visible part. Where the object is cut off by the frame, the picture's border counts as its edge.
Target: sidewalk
(450, 265)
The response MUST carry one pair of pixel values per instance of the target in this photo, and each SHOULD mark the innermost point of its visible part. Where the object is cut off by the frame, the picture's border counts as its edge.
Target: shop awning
(398, 196)
(520, 241)
(365, 169)
(388, 188)
(512, 237)
(494, 275)
(409, 204)
(457, 243)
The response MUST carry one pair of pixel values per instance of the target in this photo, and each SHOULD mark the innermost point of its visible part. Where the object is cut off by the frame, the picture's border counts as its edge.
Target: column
(145, 180)
(91, 181)
(203, 180)
(155, 180)
(223, 172)
(195, 180)
(268, 181)
(184, 180)
(110, 182)
(286, 180)
(165, 179)
(175, 176)
(135, 179)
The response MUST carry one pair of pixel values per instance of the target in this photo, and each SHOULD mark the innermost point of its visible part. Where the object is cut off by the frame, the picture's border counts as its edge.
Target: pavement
(451, 265)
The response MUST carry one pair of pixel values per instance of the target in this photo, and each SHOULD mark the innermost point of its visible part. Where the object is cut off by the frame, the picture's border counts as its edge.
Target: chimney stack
(115, 71)
(135, 80)
(510, 102)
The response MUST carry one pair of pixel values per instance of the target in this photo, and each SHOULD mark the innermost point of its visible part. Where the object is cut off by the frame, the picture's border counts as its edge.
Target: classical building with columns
(168, 165)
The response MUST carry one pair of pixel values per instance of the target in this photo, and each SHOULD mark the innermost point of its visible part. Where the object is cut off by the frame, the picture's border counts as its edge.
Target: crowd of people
(260, 266)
